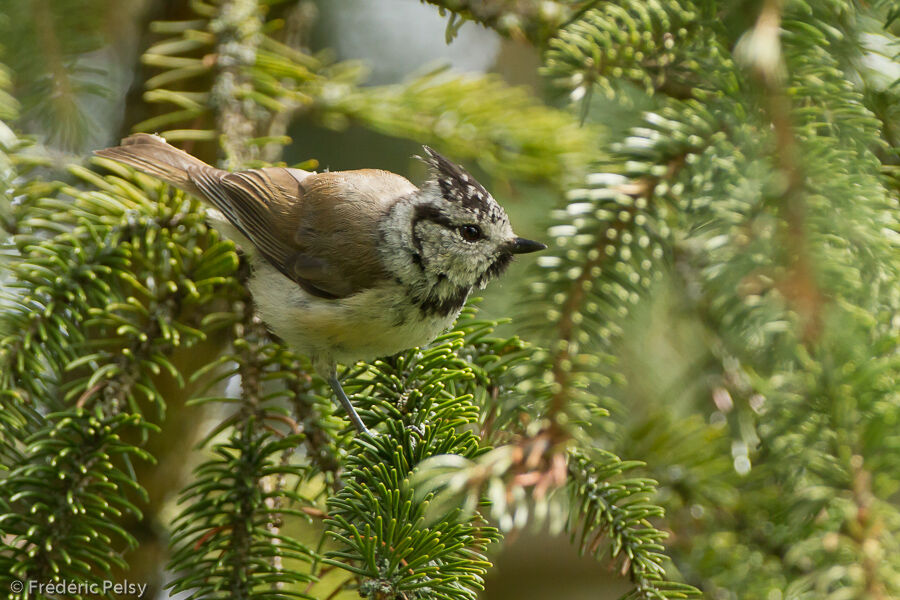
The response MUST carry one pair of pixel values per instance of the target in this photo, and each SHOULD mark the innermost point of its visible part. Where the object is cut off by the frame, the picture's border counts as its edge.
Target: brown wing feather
(337, 224)
(154, 156)
(319, 229)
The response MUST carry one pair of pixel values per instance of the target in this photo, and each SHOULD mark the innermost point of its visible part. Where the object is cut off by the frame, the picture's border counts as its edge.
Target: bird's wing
(318, 229)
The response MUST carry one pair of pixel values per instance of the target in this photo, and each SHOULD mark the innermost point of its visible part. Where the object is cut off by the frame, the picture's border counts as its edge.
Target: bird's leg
(345, 402)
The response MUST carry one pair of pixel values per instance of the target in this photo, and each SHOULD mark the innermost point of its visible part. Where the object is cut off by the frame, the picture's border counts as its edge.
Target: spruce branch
(523, 483)
(867, 531)
(227, 542)
(321, 441)
(479, 117)
(761, 48)
(228, 538)
(95, 330)
(237, 28)
(61, 502)
(523, 479)
(572, 307)
(254, 81)
(683, 132)
(616, 510)
(55, 74)
(79, 273)
(391, 534)
(508, 386)
(758, 205)
(239, 518)
(646, 43)
(531, 20)
(818, 129)
(617, 225)
(834, 501)
(245, 523)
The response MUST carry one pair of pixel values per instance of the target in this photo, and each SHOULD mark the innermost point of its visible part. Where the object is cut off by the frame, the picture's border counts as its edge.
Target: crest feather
(456, 184)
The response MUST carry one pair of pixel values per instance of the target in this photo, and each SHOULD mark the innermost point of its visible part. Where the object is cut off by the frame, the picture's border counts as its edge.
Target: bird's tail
(151, 154)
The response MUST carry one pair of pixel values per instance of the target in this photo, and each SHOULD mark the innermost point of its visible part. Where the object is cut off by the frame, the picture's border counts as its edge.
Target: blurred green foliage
(708, 393)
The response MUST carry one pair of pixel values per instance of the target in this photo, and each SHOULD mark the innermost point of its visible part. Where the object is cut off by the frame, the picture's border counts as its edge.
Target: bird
(347, 265)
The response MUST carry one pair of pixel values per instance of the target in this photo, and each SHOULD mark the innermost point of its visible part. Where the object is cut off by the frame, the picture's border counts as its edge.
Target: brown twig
(867, 529)
(338, 589)
(799, 285)
(209, 534)
(238, 30)
(312, 511)
(295, 428)
(88, 393)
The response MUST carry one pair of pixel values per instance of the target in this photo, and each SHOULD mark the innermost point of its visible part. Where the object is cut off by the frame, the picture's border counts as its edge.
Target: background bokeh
(708, 386)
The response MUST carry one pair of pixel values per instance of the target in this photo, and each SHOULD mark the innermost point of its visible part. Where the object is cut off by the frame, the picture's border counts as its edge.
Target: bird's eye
(470, 233)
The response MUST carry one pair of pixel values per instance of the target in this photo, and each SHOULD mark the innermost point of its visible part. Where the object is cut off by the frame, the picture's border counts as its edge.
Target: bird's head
(458, 230)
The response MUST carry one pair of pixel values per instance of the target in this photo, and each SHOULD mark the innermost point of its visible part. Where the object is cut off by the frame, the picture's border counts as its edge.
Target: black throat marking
(495, 269)
(434, 305)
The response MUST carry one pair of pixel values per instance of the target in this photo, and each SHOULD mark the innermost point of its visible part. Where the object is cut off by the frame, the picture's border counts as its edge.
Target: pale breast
(376, 322)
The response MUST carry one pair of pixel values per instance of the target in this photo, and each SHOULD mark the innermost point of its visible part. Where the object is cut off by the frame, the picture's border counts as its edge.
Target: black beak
(523, 246)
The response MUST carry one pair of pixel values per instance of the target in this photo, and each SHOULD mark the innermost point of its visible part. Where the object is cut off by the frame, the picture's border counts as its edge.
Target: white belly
(373, 323)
